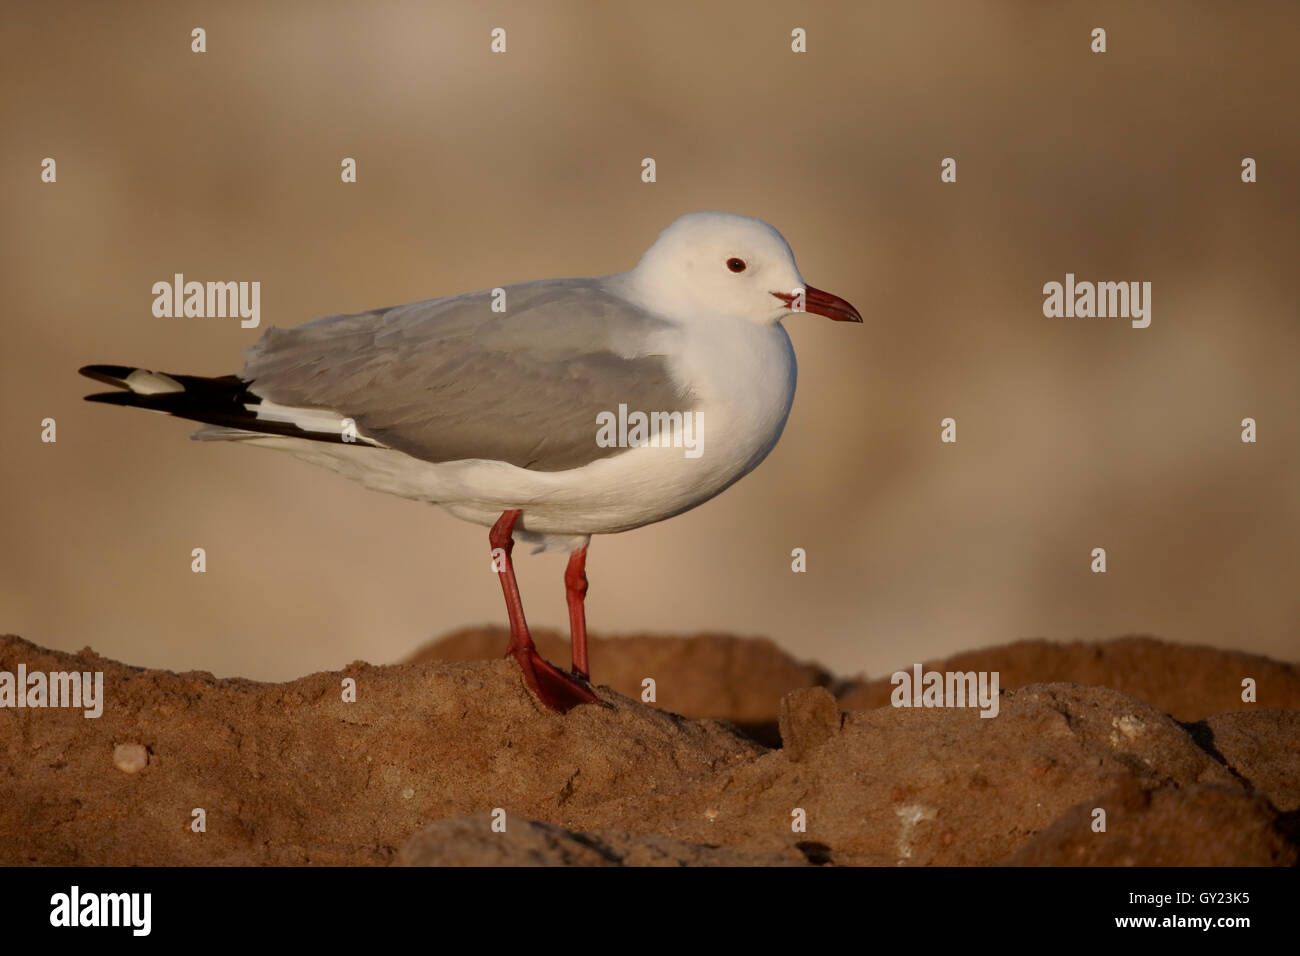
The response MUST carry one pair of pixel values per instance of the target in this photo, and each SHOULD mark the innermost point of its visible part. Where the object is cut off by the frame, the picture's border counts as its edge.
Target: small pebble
(130, 758)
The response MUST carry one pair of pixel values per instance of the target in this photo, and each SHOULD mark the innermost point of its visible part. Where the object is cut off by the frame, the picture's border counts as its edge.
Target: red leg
(575, 589)
(500, 537)
(552, 687)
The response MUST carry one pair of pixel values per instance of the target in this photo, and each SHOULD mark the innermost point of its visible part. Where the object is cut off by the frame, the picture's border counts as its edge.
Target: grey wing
(449, 379)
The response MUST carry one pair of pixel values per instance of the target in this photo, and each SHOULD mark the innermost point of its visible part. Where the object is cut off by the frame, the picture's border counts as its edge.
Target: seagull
(547, 411)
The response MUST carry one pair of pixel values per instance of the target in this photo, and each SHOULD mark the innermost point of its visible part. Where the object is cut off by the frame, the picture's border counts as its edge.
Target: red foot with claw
(554, 688)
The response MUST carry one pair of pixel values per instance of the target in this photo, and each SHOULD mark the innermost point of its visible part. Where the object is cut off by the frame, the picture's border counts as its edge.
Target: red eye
(736, 265)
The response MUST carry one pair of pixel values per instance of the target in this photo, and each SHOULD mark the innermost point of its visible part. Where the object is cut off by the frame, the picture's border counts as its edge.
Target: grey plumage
(449, 379)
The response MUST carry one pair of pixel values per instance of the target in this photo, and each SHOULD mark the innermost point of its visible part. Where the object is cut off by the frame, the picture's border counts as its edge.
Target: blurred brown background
(478, 169)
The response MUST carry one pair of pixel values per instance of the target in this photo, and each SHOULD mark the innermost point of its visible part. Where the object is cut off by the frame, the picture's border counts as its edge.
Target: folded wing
(451, 379)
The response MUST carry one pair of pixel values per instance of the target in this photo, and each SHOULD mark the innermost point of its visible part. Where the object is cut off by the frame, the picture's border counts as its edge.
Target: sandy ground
(437, 754)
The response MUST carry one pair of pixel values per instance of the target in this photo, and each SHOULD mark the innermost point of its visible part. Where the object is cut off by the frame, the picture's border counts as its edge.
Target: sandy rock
(1186, 681)
(293, 773)
(1168, 826)
(709, 675)
(289, 773)
(1249, 744)
(743, 680)
(470, 841)
(809, 718)
(945, 786)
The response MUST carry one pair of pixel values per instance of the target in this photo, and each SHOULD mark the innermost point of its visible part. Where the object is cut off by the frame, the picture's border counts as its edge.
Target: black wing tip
(224, 402)
(115, 398)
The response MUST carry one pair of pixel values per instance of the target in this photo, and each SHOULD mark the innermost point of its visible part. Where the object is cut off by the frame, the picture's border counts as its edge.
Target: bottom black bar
(330, 906)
